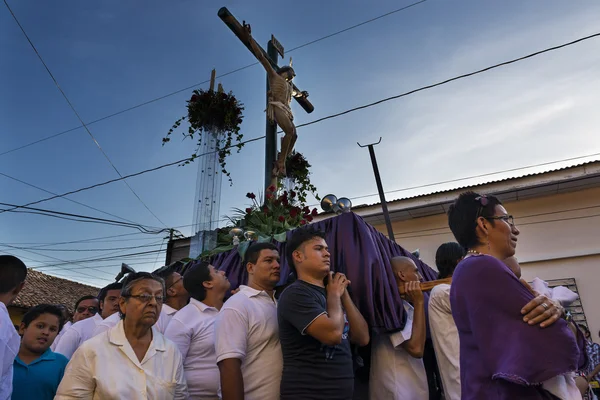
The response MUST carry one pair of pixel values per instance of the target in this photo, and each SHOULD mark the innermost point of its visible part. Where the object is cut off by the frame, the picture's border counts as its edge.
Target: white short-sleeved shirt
(78, 333)
(395, 374)
(9, 348)
(66, 326)
(446, 343)
(106, 367)
(246, 328)
(192, 330)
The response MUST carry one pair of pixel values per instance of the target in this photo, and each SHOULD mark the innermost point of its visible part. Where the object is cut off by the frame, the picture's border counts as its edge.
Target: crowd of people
(162, 335)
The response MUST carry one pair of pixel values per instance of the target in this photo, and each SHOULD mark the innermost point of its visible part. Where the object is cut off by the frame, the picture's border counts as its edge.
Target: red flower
(314, 212)
(194, 98)
(248, 210)
(285, 201)
(271, 189)
(306, 210)
(251, 196)
(294, 212)
(265, 209)
(292, 194)
(281, 218)
(303, 222)
(309, 218)
(269, 196)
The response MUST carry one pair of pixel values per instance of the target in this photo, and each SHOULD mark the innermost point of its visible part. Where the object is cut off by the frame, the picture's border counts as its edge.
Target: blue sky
(111, 55)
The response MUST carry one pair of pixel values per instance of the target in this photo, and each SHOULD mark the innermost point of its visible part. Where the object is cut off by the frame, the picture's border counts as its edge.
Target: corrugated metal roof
(469, 186)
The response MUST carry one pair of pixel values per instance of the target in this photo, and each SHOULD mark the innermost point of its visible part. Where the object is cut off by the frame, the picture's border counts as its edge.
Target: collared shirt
(66, 326)
(395, 374)
(113, 320)
(246, 328)
(192, 330)
(445, 340)
(9, 348)
(39, 379)
(78, 333)
(106, 368)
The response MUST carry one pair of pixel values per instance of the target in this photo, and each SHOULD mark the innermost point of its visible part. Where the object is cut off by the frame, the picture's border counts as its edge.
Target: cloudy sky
(109, 56)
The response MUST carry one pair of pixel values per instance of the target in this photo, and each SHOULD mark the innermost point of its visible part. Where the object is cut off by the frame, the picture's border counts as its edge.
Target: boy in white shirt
(397, 370)
(192, 329)
(12, 279)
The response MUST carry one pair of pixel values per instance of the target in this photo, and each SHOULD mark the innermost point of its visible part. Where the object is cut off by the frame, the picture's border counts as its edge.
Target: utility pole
(386, 214)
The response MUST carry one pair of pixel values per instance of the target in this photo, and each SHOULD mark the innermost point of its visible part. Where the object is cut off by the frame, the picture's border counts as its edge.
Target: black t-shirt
(311, 370)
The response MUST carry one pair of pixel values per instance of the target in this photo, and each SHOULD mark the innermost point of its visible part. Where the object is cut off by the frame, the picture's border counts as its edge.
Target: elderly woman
(131, 360)
(504, 353)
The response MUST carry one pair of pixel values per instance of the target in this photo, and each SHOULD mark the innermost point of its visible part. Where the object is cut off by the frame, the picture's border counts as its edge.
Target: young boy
(37, 369)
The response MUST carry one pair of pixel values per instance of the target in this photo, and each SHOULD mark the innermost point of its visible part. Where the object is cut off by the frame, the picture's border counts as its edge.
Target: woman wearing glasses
(132, 360)
(511, 341)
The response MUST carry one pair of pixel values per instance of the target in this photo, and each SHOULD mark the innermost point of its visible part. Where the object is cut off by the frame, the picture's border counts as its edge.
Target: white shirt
(78, 333)
(192, 330)
(66, 326)
(395, 374)
(247, 329)
(106, 368)
(444, 335)
(9, 348)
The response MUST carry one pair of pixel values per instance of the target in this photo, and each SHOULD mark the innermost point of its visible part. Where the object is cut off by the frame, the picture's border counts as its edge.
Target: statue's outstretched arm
(257, 51)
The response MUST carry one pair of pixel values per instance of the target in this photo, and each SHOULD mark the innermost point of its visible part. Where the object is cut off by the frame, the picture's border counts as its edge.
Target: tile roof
(476, 184)
(43, 288)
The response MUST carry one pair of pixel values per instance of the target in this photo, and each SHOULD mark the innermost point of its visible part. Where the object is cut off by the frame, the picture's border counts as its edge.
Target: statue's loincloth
(282, 107)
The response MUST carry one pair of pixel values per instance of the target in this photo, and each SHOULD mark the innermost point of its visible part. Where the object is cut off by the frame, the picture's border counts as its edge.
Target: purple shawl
(501, 356)
(363, 254)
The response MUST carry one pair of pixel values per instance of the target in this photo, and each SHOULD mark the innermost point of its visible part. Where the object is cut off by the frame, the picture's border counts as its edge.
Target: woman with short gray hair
(132, 360)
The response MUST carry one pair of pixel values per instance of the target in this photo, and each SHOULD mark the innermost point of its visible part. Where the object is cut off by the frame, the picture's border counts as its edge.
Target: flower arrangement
(215, 113)
(298, 170)
(279, 213)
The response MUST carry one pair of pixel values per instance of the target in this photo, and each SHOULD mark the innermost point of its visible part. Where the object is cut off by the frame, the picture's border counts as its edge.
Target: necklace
(475, 252)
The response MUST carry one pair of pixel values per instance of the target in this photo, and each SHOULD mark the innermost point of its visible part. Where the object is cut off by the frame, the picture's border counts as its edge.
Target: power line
(80, 218)
(326, 118)
(107, 249)
(66, 198)
(77, 114)
(89, 240)
(101, 258)
(206, 81)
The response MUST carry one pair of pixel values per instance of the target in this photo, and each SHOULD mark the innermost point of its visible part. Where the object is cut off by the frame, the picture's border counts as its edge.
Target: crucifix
(280, 91)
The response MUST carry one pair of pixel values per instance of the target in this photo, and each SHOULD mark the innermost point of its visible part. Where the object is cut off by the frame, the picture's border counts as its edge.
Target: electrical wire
(77, 114)
(206, 81)
(65, 198)
(324, 118)
(99, 250)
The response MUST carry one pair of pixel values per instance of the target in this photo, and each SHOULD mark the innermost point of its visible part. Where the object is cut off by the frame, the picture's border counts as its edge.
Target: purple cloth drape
(363, 254)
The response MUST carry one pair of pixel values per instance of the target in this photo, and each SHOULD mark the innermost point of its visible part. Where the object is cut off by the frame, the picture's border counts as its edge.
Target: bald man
(397, 370)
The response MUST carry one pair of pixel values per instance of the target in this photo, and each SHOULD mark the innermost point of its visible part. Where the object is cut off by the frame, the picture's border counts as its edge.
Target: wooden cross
(274, 47)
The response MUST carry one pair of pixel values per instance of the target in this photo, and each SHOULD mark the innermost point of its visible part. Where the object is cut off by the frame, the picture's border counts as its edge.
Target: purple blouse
(501, 356)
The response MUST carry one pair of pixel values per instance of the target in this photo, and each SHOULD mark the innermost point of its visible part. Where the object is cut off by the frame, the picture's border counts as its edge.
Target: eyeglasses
(506, 218)
(173, 284)
(91, 309)
(145, 298)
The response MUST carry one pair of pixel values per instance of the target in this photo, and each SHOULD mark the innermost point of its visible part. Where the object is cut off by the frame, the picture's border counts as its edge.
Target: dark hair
(83, 299)
(194, 278)
(12, 273)
(34, 312)
(286, 68)
(463, 214)
(253, 253)
(166, 273)
(113, 286)
(447, 257)
(298, 238)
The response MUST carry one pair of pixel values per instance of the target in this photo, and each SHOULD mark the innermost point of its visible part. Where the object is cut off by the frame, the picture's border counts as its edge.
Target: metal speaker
(344, 205)
(236, 232)
(329, 202)
(250, 235)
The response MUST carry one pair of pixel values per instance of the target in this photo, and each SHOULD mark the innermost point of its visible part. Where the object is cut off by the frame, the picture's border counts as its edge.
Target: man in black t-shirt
(317, 322)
